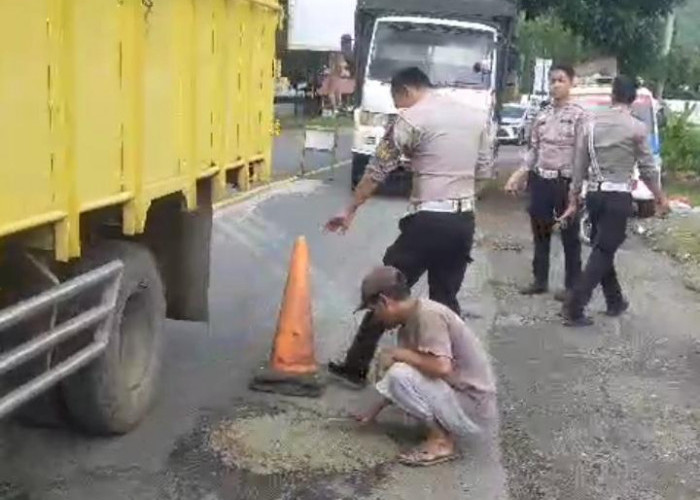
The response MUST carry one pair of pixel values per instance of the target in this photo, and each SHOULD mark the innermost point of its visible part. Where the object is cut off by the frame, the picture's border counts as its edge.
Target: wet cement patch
(297, 441)
(277, 452)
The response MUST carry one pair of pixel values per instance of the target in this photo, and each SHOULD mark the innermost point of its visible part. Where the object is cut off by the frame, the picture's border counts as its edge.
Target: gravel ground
(678, 236)
(608, 412)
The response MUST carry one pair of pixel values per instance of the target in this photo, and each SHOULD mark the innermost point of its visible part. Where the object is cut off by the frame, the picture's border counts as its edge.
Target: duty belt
(550, 174)
(611, 187)
(444, 206)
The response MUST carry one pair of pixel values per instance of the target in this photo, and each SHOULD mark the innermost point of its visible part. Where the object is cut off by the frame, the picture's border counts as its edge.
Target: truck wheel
(114, 393)
(359, 164)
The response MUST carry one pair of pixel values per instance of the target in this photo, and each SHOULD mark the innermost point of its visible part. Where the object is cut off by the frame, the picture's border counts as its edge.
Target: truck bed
(117, 103)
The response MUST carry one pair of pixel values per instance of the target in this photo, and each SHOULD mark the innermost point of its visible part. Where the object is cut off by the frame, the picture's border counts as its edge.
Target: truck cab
(463, 46)
(457, 56)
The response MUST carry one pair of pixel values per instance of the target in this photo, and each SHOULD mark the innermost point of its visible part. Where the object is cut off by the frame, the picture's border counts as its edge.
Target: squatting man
(439, 374)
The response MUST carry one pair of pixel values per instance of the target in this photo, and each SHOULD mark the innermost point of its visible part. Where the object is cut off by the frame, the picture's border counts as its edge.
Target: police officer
(548, 169)
(611, 145)
(446, 143)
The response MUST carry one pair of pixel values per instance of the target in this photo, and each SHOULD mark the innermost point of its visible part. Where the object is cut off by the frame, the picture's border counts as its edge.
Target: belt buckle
(465, 205)
(549, 174)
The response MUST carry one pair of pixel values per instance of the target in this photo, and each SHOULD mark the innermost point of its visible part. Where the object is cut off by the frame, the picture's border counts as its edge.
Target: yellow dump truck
(121, 124)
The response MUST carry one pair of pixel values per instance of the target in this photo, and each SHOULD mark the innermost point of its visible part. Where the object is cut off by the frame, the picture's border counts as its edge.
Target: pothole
(506, 245)
(297, 441)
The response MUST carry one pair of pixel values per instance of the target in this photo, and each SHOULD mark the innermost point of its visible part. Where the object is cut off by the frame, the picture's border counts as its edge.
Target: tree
(682, 72)
(546, 36)
(627, 29)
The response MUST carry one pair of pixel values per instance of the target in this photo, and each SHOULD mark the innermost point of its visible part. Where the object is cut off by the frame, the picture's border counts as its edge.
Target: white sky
(319, 24)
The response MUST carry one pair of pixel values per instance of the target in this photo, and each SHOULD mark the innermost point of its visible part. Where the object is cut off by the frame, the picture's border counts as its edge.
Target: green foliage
(681, 144)
(627, 29)
(682, 73)
(687, 20)
(547, 37)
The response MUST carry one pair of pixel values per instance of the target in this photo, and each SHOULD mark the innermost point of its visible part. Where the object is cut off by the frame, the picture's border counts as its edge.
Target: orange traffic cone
(292, 366)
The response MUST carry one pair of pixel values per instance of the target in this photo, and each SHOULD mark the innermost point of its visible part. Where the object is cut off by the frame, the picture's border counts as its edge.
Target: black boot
(353, 371)
(578, 322)
(617, 310)
(352, 379)
(573, 314)
(562, 294)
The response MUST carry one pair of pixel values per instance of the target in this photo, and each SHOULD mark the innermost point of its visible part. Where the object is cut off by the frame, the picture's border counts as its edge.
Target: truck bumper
(104, 282)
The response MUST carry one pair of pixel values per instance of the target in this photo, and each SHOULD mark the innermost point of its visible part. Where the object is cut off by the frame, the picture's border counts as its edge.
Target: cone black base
(268, 380)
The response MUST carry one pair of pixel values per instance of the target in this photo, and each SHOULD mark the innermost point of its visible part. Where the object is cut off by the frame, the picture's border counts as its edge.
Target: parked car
(512, 126)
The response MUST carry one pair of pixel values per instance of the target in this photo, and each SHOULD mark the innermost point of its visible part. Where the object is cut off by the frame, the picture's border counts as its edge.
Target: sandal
(425, 458)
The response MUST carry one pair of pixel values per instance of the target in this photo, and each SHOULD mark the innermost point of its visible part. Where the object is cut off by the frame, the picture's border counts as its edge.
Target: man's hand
(364, 190)
(568, 214)
(341, 222)
(426, 363)
(517, 182)
(571, 210)
(386, 359)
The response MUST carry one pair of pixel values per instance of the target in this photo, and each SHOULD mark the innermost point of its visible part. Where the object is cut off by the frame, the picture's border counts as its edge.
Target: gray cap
(381, 280)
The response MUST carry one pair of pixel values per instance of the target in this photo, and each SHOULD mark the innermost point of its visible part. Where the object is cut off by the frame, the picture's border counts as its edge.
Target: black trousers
(437, 243)
(549, 199)
(609, 213)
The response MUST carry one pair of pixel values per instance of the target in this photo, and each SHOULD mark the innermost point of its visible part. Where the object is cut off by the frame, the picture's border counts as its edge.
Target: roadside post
(322, 139)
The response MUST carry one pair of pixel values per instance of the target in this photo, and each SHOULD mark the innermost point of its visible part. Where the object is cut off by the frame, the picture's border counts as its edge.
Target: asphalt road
(600, 413)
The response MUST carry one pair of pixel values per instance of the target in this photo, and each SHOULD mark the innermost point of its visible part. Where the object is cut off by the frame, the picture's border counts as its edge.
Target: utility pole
(666, 49)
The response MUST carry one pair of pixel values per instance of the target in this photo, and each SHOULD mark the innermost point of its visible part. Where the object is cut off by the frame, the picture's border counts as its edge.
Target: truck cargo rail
(106, 279)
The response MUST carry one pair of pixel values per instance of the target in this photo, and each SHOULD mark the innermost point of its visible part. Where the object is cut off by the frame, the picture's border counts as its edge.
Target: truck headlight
(370, 119)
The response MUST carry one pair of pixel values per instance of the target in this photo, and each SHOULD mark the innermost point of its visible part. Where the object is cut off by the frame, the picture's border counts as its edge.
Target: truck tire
(113, 394)
(47, 411)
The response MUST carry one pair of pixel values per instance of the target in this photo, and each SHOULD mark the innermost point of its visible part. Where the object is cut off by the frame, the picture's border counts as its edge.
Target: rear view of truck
(123, 121)
(462, 45)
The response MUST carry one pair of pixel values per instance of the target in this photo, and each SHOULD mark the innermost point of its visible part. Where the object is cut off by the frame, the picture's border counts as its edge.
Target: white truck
(462, 45)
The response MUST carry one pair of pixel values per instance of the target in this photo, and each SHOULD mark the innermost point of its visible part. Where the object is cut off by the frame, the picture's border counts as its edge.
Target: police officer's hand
(341, 222)
(568, 214)
(516, 183)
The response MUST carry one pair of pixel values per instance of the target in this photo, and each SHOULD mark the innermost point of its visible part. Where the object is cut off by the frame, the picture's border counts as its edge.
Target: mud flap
(181, 242)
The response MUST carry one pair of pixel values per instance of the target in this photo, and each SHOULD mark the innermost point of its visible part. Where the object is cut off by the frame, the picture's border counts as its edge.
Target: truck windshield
(447, 54)
(514, 112)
